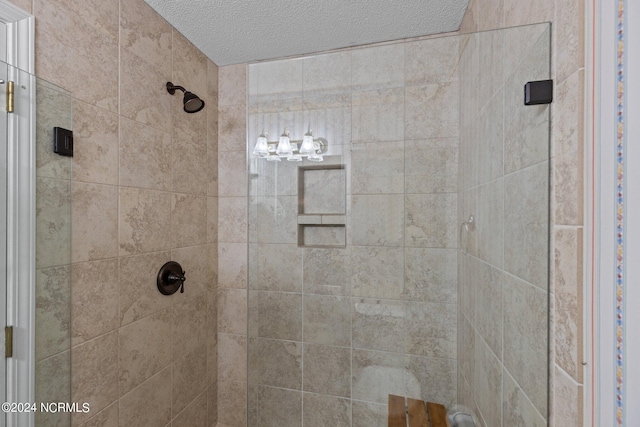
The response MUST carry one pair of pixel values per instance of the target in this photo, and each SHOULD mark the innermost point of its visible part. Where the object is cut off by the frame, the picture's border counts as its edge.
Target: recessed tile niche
(322, 206)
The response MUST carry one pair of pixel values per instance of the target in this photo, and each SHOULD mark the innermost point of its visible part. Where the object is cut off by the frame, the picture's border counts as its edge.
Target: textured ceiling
(236, 31)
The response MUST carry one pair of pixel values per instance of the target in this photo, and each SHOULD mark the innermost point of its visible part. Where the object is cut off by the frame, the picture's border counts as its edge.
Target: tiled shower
(370, 111)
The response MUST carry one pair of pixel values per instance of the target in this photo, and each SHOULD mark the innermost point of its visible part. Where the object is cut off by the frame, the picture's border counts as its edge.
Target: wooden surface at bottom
(397, 411)
(437, 415)
(417, 412)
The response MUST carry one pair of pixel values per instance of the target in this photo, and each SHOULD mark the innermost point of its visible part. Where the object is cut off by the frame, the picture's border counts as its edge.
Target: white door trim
(21, 265)
(20, 37)
(613, 249)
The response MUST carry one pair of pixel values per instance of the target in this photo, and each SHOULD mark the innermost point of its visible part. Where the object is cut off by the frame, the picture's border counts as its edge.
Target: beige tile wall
(144, 191)
(567, 204)
(233, 249)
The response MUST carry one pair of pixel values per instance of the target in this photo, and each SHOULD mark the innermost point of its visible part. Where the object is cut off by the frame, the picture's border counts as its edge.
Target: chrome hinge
(8, 341)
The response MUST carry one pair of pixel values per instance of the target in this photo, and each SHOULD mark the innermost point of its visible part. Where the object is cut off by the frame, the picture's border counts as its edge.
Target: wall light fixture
(292, 150)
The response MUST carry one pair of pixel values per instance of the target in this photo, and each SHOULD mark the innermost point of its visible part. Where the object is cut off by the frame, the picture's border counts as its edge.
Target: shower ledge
(322, 219)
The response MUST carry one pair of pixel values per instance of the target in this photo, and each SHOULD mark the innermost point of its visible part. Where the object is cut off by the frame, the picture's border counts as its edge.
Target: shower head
(192, 103)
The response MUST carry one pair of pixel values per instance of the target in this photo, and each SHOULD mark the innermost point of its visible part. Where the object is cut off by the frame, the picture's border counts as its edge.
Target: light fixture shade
(295, 158)
(284, 144)
(307, 144)
(315, 157)
(262, 147)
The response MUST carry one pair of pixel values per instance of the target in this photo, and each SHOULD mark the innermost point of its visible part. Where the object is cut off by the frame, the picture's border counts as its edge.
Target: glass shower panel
(53, 256)
(504, 252)
(366, 274)
(297, 246)
(352, 261)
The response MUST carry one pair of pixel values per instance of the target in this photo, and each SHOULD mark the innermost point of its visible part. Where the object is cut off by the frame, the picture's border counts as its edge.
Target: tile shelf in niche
(321, 236)
(322, 206)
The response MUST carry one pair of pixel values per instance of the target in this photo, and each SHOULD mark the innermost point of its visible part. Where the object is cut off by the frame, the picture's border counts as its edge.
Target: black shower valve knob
(171, 277)
(175, 277)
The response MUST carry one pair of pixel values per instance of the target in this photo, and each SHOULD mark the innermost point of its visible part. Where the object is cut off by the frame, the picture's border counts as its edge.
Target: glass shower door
(53, 256)
(503, 262)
